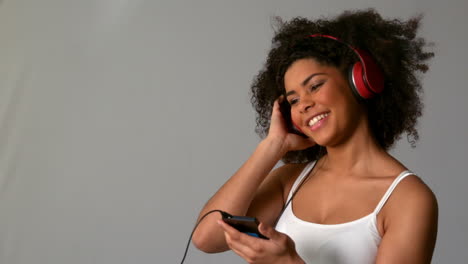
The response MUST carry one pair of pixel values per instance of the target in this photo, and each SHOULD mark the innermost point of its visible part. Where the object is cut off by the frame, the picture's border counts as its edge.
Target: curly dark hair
(392, 43)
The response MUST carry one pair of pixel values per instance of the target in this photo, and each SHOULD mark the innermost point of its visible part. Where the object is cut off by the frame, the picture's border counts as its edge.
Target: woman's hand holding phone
(278, 249)
(281, 130)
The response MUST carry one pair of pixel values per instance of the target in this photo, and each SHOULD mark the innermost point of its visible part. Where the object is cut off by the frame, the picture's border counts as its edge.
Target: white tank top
(352, 242)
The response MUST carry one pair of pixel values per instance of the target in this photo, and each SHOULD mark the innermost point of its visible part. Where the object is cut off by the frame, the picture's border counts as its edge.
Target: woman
(340, 197)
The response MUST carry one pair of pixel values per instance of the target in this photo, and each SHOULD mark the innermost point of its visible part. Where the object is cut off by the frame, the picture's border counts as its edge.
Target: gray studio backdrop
(120, 118)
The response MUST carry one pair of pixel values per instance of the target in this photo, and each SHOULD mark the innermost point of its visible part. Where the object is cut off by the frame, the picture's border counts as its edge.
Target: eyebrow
(304, 83)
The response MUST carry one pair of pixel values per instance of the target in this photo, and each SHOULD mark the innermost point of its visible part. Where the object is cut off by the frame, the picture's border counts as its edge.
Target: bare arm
(411, 225)
(235, 196)
(252, 182)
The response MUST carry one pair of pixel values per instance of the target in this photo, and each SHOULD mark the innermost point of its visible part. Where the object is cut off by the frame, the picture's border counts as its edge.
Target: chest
(352, 242)
(335, 202)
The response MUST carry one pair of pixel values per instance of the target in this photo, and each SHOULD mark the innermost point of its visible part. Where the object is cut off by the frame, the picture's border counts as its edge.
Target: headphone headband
(367, 77)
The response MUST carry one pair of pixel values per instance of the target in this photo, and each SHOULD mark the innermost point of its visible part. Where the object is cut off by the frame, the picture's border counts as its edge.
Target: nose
(305, 105)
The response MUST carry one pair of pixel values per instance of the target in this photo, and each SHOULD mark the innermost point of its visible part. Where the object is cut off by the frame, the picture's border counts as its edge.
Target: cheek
(295, 117)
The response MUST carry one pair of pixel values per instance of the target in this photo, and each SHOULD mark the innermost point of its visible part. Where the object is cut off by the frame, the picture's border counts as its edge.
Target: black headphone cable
(224, 214)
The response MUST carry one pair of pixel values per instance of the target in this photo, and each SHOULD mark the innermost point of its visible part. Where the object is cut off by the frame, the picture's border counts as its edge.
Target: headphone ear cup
(352, 85)
(358, 83)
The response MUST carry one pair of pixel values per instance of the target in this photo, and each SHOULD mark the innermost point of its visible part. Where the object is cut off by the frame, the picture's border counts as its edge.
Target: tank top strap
(301, 177)
(392, 187)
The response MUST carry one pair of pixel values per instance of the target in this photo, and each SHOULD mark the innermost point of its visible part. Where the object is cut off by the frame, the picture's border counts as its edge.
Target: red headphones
(366, 77)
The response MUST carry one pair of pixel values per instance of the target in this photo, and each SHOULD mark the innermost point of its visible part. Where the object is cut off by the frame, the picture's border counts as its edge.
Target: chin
(322, 141)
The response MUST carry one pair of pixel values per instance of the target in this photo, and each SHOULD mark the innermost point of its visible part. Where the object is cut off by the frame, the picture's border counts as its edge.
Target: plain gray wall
(120, 118)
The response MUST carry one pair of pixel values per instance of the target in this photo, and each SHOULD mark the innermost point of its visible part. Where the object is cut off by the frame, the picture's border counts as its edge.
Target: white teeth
(314, 120)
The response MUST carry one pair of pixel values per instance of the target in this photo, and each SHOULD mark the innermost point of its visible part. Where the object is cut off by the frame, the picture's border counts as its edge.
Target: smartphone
(285, 109)
(244, 224)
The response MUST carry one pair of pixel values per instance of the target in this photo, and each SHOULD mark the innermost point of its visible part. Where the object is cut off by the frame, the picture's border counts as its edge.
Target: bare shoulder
(410, 220)
(412, 194)
(288, 173)
(412, 209)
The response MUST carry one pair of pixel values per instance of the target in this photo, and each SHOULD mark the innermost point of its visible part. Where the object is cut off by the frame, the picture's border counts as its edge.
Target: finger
(276, 105)
(269, 231)
(276, 114)
(238, 242)
(228, 229)
(280, 99)
(235, 235)
(244, 251)
(240, 254)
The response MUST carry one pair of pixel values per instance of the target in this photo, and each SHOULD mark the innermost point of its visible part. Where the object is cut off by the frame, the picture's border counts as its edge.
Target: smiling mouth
(317, 118)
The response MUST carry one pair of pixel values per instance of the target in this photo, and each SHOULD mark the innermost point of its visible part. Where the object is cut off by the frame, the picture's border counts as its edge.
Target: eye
(316, 86)
(293, 101)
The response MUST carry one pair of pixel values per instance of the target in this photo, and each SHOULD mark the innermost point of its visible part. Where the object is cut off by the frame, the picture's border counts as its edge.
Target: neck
(357, 155)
